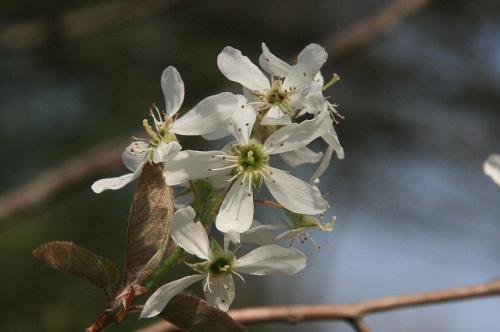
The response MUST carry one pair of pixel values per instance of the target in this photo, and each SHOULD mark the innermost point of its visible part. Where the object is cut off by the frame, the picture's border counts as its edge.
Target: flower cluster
(280, 111)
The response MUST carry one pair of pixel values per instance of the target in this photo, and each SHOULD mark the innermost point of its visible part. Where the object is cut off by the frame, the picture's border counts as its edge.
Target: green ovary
(251, 158)
(221, 265)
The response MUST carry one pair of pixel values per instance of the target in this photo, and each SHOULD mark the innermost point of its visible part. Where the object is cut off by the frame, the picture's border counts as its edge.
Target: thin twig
(359, 325)
(79, 22)
(59, 178)
(98, 160)
(367, 31)
(351, 313)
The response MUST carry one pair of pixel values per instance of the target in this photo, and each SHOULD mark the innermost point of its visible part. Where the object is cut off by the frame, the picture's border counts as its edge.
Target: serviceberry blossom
(247, 162)
(293, 90)
(491, 168)
(299, 225)
(162, 143)
(312, 101)
(280, 99)
(218, 265)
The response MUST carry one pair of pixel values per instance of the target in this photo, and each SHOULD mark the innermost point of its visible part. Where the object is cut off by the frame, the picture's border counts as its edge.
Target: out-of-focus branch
(351, 313)
(99, 160)
(370, 29)
(59, 178)
(79, 22)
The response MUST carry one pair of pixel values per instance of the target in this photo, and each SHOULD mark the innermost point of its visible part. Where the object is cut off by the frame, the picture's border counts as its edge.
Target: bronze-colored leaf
(196, 315)
(68, 257)
(149, 218)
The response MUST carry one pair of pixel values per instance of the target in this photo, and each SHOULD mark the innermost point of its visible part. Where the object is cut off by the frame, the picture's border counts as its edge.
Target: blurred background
(414, 210)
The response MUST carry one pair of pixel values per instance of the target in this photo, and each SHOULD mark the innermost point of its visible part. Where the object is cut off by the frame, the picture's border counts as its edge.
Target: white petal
(491, 167)
(221, 291)
(323, 166)
(331, 138)
(135, 154)
(189, 235)
(112, 183)
(290, 234)
(166, 151)
(242, 123)
(173, 90)
(275, 116)
(219, 133)
(208, 115)
(272, 64)
(238, 68)
(314, 101)
(236, 212)
(301, 156)
(309, 62)
(297, 135)
(192, 165)
(319, 79)
(157, 302)
(294, 194)
(259, 234)
(314, 56)
(271, 260)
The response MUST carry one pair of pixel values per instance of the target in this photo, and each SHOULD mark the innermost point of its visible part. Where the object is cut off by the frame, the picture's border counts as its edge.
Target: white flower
(312, 101)
(491, 167)
(203, 119)
(218, 265)
(247, 160)
(161, 145)
(280, 99)
(299, 226)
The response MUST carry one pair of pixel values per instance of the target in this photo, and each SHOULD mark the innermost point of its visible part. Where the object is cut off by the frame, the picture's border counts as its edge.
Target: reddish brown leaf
(196, 315)
(78, 261)
(149, 218)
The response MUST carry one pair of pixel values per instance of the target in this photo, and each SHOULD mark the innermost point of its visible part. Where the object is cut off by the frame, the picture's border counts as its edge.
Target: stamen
(240, 276)
(207, 284)
(250, 185)
(313, 242)
(225, 157)
(234, 177)
(223, 168)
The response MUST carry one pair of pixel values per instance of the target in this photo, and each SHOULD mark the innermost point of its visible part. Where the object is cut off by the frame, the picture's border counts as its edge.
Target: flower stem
(268, 203)
(195, 192)
(164, 267)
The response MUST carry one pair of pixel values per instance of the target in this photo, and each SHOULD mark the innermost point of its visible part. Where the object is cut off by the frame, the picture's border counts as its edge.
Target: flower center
(221, 265)
(160, 132)
(275, 97)
(250, 158)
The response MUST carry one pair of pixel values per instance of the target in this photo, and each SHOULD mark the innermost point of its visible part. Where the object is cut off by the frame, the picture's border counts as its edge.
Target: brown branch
(370, 29)
(60, 178)
(351, 313)
(98, 160)
(79, 22)
(359, 325)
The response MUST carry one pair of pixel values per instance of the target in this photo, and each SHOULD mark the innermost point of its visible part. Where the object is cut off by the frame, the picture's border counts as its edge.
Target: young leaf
(149, 218)
(68, 257)
(196, 315)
